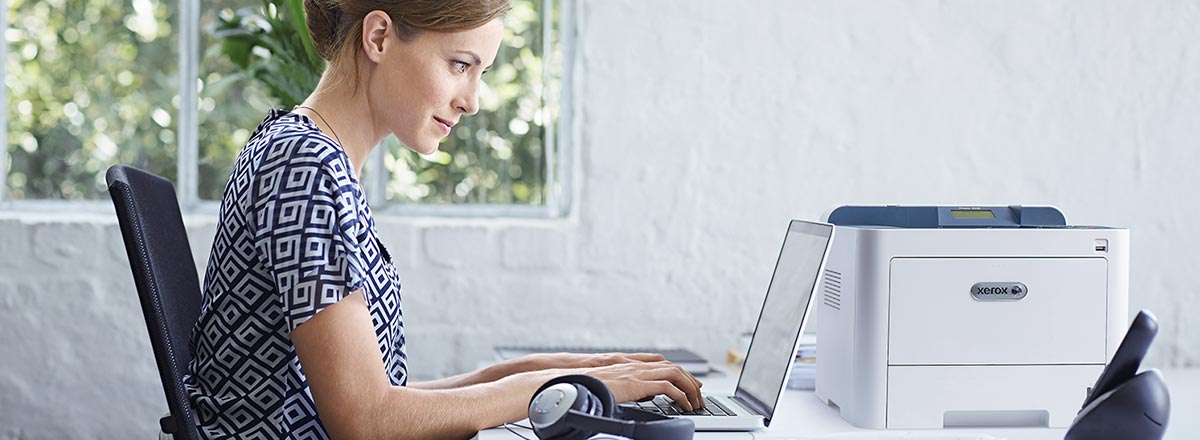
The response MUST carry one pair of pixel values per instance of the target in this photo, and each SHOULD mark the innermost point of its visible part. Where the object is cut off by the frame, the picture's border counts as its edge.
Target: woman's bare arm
(338, 352)
(487, 374)
(536, 362)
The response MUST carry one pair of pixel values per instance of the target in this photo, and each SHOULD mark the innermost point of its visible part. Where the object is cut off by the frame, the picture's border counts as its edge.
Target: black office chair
(165, 275)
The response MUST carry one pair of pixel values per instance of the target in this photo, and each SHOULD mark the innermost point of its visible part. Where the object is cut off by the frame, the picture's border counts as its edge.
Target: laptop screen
(783, 314)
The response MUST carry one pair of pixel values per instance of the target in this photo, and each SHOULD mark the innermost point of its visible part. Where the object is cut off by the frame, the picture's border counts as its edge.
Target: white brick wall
(704, 127)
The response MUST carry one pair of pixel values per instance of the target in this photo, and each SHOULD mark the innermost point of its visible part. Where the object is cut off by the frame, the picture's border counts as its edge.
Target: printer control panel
(1014, 216)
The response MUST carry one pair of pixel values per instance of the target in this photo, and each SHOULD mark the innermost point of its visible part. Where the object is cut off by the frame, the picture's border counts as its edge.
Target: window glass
(90, 83)
(496, 156)
(231, 102)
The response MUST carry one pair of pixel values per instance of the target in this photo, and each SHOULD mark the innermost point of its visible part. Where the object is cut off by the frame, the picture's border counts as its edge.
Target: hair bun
(325, 19)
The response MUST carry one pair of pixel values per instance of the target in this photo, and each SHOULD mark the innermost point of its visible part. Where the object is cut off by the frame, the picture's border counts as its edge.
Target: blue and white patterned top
(295, 235)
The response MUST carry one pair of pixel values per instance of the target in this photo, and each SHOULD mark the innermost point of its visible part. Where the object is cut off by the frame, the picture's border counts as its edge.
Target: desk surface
(802, 415)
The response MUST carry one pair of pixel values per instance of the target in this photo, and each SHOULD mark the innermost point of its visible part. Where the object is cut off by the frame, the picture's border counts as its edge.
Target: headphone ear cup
(592, 398)
(604, 398)
(586, 403)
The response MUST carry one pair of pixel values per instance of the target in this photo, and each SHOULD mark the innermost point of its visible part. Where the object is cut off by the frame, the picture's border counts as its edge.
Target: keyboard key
(665, 406)
(723, 409)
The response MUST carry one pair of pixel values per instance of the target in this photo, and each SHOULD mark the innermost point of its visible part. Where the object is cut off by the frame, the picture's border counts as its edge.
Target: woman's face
(421, 88)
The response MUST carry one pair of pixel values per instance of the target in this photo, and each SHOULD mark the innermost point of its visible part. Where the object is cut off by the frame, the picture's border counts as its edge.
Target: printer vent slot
(833, 289)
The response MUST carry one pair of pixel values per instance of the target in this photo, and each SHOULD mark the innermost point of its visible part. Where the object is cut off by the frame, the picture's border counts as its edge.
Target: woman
(300, 333)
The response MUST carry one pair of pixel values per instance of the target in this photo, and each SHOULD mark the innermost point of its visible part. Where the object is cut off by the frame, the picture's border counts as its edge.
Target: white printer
(935, 317)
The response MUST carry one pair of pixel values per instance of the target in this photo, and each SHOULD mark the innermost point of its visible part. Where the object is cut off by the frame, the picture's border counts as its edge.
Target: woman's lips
(445, 125)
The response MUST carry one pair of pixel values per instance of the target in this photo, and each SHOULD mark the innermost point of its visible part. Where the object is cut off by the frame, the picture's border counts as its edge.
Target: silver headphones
(577, 406)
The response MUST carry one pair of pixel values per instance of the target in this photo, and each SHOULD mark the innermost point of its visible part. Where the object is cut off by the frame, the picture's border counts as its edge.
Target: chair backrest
(165, 275)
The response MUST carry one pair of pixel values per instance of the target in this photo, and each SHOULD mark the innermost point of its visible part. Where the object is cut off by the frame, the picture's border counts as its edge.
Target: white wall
(704, 127)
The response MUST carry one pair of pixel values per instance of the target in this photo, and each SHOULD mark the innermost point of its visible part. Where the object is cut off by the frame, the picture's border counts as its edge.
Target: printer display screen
(972, 213)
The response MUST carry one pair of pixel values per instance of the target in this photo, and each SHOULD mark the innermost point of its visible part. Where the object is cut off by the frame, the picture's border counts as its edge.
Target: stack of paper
(804, 369)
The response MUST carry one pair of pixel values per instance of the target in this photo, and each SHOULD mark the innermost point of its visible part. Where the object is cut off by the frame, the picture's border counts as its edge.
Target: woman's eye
(460, 66)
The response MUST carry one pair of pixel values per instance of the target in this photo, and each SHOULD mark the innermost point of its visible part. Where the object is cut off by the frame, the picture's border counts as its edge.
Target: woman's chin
(426, 147)
(426, 150)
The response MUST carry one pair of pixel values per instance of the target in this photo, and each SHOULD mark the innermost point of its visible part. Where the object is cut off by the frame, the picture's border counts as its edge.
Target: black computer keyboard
(666, 406)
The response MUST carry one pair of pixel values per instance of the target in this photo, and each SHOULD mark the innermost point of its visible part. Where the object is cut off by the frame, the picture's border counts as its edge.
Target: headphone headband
(594, 423)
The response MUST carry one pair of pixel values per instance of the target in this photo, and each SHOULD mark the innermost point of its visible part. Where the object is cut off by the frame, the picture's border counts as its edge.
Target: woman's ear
(376, 26)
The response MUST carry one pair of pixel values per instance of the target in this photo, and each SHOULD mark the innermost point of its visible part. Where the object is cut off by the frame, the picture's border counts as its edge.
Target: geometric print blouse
(294, 236)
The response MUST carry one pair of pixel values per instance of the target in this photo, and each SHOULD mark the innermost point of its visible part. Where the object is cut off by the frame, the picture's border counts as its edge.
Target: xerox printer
(948, 316)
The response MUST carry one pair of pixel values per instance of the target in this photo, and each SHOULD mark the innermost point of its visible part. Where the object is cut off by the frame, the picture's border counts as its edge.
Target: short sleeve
(308, 235)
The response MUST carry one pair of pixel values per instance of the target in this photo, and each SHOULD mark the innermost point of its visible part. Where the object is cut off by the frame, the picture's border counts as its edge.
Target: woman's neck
(343, 113)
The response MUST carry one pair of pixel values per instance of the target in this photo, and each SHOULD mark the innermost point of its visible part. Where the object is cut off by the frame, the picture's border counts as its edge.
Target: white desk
(802, 416)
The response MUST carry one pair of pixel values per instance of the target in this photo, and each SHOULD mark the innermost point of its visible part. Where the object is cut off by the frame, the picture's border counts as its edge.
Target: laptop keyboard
(666, 406)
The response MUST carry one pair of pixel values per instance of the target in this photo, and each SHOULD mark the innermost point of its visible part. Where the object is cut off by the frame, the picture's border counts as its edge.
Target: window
(93, 83)
(81, 95)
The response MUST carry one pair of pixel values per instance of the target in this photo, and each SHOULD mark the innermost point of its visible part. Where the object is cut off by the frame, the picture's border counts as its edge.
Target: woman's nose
(468, 103)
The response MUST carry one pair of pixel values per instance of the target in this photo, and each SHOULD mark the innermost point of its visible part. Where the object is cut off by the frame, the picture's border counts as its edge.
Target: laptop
(776, 336)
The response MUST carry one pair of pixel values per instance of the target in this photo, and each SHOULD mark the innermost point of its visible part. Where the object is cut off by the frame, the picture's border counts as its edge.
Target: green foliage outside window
(498, 154)
(95, 82)
(90, 83)
(238, 82)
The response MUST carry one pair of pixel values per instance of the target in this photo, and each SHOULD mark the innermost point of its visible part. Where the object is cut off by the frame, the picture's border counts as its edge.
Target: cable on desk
(506, 426)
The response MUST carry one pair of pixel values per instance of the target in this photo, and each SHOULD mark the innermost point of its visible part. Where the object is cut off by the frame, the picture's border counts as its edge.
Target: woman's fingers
(606, 359)
(694, 391)
(679, 379)
(638, 379)
(683, 380)
(671, 390)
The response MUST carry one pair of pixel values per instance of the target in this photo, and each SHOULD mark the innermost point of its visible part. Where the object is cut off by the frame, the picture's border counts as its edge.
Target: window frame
(560, 135)
(4, 105)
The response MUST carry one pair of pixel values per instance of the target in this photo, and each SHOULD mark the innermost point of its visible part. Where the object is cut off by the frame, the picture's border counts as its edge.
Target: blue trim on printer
(1013, 216)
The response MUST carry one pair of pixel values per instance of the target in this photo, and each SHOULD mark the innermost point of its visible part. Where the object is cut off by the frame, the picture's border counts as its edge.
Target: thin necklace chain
(315, 112)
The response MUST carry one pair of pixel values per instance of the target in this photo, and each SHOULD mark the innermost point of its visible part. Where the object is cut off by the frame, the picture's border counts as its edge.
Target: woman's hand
(633, 380)
(639, 362)
(546, 361)
(628, 381)
(643, 380)
(533, 363)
